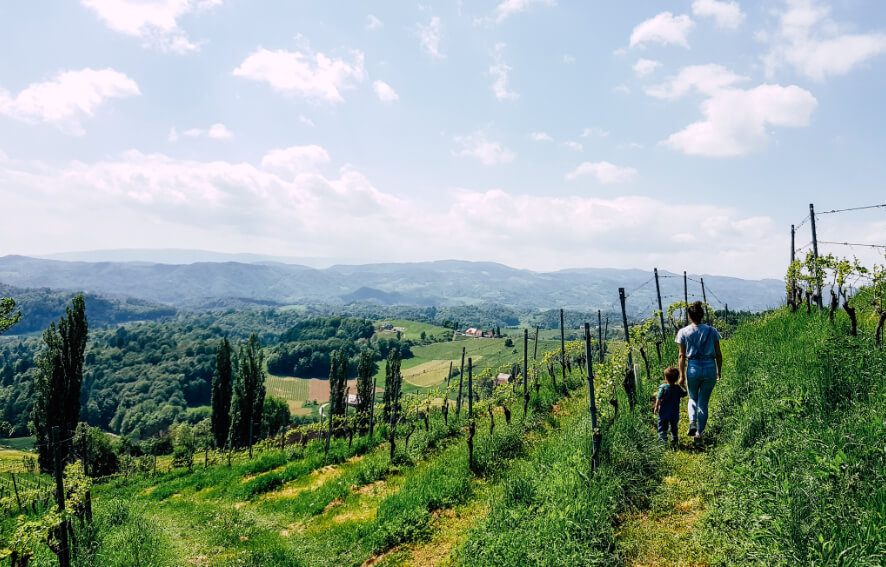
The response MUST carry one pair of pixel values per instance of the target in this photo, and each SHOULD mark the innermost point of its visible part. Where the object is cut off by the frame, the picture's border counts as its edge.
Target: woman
(700, 365)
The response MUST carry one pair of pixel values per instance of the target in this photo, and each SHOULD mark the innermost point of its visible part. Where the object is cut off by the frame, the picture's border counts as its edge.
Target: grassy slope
(801, 456)
(796, 469)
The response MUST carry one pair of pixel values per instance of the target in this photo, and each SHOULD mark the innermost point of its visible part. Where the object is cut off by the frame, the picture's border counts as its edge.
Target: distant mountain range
(205, 285)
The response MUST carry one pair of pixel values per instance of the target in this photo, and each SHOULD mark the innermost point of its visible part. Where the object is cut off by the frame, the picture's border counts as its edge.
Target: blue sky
(541, 134)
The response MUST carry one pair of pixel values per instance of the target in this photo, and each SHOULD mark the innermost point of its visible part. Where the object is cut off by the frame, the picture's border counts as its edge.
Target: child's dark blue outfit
(669, 409)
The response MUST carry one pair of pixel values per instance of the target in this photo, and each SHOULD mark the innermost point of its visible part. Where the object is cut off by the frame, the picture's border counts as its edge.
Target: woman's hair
(696, 312)
(672, 374)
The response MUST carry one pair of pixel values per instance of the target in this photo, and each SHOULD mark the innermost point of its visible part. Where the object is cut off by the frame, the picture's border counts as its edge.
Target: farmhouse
(502, 378)
(474, 332)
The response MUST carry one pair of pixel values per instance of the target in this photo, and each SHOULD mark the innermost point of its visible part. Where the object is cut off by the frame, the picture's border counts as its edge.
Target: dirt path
(664, 534)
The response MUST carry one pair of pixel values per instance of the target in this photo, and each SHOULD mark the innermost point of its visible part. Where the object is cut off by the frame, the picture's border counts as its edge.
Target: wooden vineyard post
(525, 371)
(535, 352)
(704, 297)
(629, 384)
(660, 307)
(592, 396)
(18, 499)
(471, 425)
(461, 375)
(599, 335)
(793, 259)
(87, 499)
(328, 430)
(815, 253)
(686, 297)
(372, 406)
(449, 374)
(562, 351)
(606, 329)
(726, 316)
(64, 552)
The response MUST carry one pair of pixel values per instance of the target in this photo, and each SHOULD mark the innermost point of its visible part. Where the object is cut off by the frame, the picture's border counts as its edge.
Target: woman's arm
(719, 355)
(682, 364)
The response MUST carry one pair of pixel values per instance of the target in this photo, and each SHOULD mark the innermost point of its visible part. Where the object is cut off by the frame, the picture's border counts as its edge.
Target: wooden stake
(660, 307)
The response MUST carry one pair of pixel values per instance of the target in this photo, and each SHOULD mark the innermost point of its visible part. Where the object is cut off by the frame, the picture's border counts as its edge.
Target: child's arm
(657, 403)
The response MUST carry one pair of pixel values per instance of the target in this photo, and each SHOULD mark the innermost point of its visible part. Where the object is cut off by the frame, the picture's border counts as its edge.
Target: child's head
(672, 375)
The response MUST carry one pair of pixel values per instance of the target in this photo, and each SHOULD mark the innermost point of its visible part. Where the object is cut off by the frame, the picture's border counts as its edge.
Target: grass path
(664, 534)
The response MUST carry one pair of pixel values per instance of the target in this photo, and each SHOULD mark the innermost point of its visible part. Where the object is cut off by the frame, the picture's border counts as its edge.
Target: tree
(57, 385)
(221, 393)
(338, 383)
(275, 416)
(95, 445)
(365, 391)
(248, 397)
(393, 389)
(184, 445)
(8, 317)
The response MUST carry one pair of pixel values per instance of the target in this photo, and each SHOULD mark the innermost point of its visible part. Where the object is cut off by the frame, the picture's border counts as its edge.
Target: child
(667, 404)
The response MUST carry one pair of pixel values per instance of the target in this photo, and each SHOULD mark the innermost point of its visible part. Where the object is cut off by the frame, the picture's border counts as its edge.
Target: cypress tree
(338, 383)
(248, 396)
(221, 393)
(365, 390)
(59, 377)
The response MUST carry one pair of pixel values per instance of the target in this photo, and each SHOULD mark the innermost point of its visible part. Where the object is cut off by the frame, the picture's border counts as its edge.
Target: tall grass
(802, 446)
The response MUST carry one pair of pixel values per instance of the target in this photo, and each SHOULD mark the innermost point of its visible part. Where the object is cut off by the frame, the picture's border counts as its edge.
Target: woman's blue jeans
(701, 377)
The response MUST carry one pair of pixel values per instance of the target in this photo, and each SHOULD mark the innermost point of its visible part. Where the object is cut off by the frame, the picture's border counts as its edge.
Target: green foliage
(57, 388)
(101, 458)
(222, 384)
(275, 416)
(306, 349)
(365, 389)
(8, 315)
(801, 446)
(42, 306)
(248, 398)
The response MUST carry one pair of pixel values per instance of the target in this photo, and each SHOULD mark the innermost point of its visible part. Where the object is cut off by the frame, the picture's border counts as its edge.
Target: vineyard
(559, 465)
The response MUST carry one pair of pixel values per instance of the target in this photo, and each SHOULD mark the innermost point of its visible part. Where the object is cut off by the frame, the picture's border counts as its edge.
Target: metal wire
(883, 206)
(852, 244)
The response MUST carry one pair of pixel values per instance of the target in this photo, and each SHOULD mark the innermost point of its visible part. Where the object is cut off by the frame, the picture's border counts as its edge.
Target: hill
(443, 284)
(42, 306)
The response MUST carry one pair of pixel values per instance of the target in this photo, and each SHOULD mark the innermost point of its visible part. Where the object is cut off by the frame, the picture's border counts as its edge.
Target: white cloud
(373, 23)
(598, 132)
(568, 59)
(622, 89)
(477, 146)
(508, 8)
(305, 120)
(173, 135)
(139, 200)
(155, 22)
(706, 79)
(665, 28)
(430, 36)
(216, 132)
(314, 76)
(816, 46)
(573, 146)
(68, 98)
(735, 120)
(726, 14)
(604, 172)
(296, 159)
(645, 67)
(499, 71)
(384, 92)
(542, 137)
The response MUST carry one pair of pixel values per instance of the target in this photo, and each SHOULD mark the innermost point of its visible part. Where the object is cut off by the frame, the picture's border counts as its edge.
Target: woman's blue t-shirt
(699, 341)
